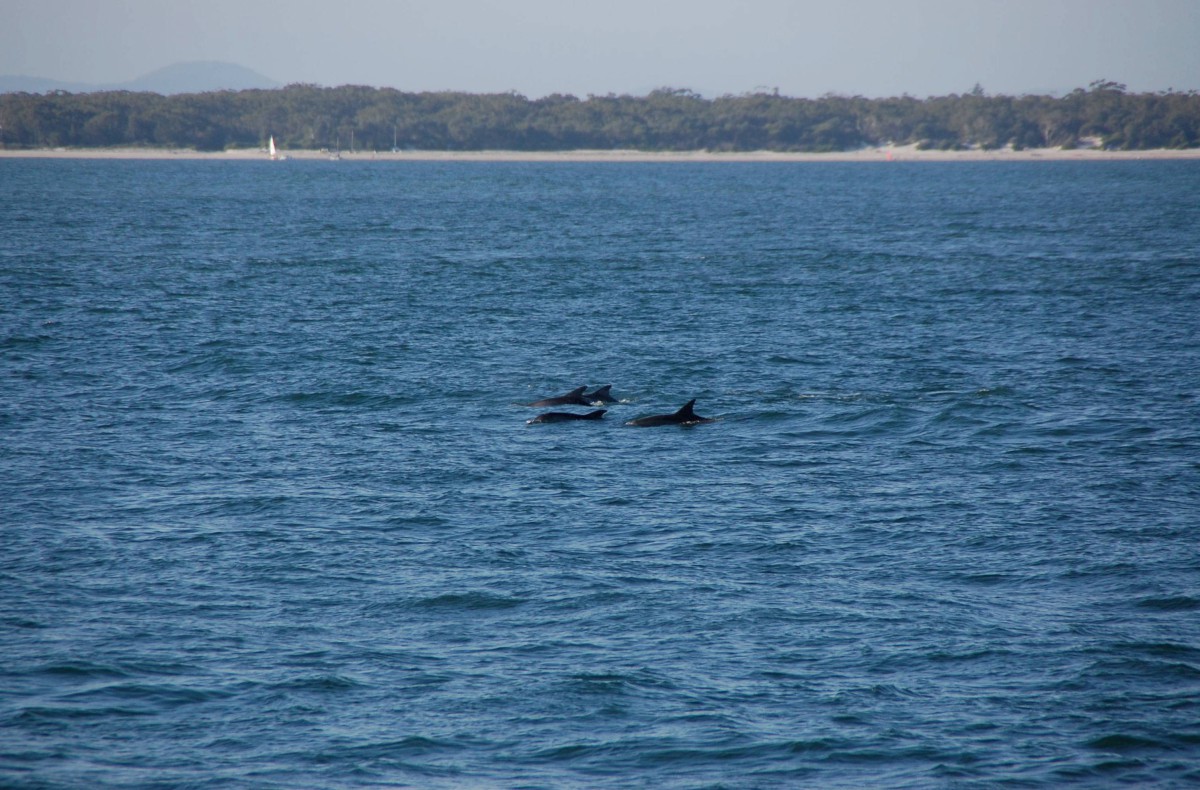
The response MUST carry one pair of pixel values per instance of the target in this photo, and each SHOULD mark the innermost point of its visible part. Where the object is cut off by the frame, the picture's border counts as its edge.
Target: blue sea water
(271, 515)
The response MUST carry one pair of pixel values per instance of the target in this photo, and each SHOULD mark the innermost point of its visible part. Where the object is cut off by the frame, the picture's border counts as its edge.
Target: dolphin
(685, 416)
(565, 416)
(602, 395)
(572, 398)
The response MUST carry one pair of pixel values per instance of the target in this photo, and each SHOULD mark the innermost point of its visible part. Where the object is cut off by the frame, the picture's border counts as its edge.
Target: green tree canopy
(667, 119)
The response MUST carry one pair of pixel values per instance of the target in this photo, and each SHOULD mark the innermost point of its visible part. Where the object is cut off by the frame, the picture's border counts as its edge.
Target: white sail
(271, 148)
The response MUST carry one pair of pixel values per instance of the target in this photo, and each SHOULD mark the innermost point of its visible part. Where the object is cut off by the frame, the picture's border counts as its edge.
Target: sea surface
(271, 515)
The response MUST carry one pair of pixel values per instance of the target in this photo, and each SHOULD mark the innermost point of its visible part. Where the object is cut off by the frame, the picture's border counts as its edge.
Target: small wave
(412, 745)
(781, 546)
(344, 399)
(878, 691)
(368, 756)
(242, 506)
(470, 601)
(21, 622)
(609, 682)
(1170, 604)
(1165, 671)
(750, 751)
(965, 414)
(13, 342)
(950, 656)
(570, 752)
(119, 697)
(35, 714)
(1120, 742)
(320, 683)
(1160, 649)
(82, 669)
(416, 521)
(987, 579)
(767, 415)
(872, 421)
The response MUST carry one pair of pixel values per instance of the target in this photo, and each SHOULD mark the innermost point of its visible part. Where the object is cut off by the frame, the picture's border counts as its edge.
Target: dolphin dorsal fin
(577, 390)
(686, 409)
(595, 415)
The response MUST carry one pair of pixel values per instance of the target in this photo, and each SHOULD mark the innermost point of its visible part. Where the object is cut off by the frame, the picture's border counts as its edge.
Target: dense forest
(309, 116)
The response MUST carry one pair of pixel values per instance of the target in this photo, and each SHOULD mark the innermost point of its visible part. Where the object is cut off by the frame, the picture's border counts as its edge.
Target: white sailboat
(275, 155)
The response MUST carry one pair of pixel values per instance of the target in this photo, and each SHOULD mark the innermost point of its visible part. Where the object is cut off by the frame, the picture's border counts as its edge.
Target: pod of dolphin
(579, 396)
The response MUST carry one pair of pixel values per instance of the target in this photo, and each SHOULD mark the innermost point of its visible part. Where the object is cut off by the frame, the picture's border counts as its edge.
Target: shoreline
(908, 153)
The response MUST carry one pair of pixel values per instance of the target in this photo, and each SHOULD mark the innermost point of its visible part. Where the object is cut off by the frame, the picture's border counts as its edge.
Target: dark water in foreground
(270, 517)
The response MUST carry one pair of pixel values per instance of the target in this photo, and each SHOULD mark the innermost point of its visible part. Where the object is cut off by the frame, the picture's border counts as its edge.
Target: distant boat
(275, 155)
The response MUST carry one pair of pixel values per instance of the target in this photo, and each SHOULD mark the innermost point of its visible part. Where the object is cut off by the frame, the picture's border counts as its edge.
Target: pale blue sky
(537, 47)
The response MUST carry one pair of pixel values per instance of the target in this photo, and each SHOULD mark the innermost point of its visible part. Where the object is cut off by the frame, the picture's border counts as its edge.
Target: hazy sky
(537, 47)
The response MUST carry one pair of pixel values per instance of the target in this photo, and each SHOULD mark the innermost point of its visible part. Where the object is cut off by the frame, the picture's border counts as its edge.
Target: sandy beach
(909, 153)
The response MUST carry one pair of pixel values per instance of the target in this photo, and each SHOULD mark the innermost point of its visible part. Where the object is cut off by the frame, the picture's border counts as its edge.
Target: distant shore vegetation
(668, 119)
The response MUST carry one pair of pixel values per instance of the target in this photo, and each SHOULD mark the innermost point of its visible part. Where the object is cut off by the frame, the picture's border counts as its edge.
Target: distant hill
(22, 83)
(193, 77)
(200, 76)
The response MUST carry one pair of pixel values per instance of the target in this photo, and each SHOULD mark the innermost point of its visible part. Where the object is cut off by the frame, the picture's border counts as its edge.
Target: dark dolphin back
(575, 396)
(603, 395)
(686, 413)
(684, 416)
(566, 416)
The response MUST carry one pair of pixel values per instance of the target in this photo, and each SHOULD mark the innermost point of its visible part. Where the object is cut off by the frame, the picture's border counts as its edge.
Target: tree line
(310, 116)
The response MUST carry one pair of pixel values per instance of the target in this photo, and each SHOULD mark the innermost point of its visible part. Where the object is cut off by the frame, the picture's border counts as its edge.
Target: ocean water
(271, 515)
